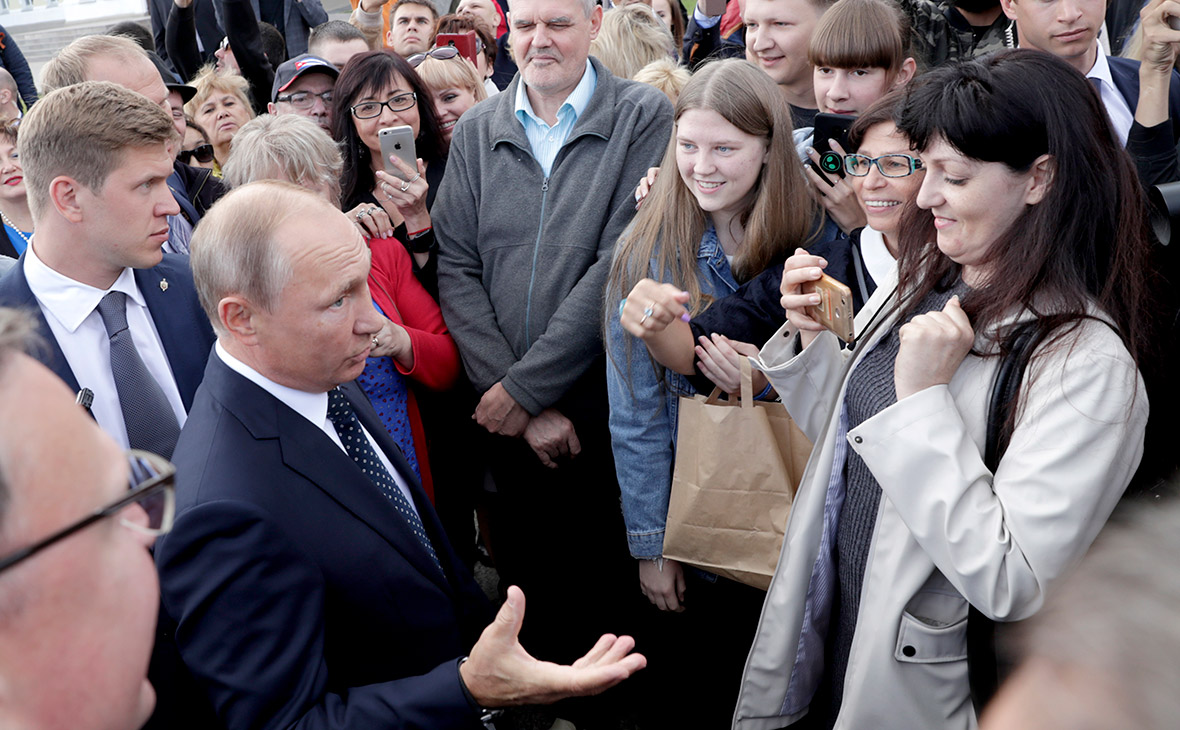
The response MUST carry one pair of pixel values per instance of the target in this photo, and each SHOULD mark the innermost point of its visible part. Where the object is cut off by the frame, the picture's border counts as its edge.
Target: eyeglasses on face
(438, 54)
(306, 99)
(152, 481)
(370, 109)
(887, 165)
(224, 44)
(202, 153)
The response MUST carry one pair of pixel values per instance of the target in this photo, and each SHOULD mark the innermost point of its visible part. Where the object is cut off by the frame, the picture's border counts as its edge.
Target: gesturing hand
(499, 672)
(651, 307)
(933, 345)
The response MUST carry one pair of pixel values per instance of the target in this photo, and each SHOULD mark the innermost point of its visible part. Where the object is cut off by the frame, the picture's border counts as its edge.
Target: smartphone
(834, 310)
(711, 8)
(464, 42)
(398, 142)
(830, 126)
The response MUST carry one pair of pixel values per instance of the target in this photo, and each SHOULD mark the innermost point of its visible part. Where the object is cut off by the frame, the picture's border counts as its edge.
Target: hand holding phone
(834, 310)
(398, 142)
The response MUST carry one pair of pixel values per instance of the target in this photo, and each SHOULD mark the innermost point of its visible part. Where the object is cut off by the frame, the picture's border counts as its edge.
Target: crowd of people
(372, 305)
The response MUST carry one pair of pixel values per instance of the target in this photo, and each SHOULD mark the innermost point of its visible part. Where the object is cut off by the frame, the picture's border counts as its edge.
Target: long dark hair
(366, 74)
(1086, 243)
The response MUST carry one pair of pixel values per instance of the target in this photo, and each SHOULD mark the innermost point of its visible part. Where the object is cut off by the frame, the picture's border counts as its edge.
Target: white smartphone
(398, 142)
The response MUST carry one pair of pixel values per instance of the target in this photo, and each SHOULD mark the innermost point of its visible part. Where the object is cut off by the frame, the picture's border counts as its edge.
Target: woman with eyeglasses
(927, 493)
(453, 82)
(377, 90)
(14, 203)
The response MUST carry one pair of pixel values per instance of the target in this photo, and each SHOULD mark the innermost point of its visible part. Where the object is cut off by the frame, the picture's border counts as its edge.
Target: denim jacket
(643, 412)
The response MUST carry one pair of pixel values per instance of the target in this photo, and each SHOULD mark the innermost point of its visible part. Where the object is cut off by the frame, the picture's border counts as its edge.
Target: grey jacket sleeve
(466, 307)
(573, 337)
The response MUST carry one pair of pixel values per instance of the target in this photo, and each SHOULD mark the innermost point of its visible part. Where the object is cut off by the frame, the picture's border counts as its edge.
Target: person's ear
(389, 38)
(1008, 7)
(904, 74)
(237, 317)
(68, 197)
(1044, 169)
(270, 107)
(595, 21)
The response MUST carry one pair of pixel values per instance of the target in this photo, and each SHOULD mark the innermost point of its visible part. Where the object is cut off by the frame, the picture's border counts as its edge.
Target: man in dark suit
(121, 319)
(1141, 100)
(308, 576)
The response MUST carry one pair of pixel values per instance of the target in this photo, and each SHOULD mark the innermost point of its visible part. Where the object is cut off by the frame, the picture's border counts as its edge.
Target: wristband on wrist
(486, 716)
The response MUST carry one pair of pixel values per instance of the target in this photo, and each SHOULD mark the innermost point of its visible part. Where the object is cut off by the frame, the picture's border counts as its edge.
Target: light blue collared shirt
(544, 140)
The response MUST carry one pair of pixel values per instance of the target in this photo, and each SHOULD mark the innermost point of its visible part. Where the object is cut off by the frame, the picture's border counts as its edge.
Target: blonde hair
(69, 66)
(209, 82)
(631, 37)
(451, 73)
(285, 147)
(666, 75)
(667, 230)
(81, 130)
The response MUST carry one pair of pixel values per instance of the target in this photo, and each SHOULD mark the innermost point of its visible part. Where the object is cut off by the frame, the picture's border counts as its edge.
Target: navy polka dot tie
(357, 445)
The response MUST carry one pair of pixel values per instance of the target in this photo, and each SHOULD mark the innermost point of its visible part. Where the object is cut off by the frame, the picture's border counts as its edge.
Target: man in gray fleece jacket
(538, 188)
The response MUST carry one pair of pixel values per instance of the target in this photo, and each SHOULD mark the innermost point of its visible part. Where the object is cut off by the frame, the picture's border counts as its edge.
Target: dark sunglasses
(203, 153)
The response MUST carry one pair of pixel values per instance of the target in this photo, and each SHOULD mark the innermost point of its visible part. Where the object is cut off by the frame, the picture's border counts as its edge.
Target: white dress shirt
(313, 407)
(70, 308)
(1120, 113)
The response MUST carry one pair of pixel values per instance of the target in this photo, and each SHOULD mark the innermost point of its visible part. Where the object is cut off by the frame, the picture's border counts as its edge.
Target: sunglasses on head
(438, 54)
(202, 153)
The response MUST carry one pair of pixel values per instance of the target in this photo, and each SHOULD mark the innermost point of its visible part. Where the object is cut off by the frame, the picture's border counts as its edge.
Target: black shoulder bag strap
(983, 671)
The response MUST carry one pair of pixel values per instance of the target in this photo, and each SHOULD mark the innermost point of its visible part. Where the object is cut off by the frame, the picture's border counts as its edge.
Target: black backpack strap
(983, 671)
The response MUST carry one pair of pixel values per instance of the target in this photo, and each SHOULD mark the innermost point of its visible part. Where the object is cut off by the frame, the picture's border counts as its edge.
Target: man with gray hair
(537, 191)
(309, 578)
(78, 591)
(121, 319)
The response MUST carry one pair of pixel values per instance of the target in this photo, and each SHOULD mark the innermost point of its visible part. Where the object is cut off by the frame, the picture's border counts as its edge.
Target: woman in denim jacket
(737, 207)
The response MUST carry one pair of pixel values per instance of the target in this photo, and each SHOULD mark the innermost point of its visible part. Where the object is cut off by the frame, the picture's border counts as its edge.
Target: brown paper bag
(737, 468)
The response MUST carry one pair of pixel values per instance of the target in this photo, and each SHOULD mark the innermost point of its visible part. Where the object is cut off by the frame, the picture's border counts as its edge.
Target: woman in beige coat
(899, 525)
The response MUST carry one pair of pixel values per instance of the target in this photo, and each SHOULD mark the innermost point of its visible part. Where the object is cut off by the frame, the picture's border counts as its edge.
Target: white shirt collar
(312, 406)
(877, 258)
(70, 301)
(1101, 70)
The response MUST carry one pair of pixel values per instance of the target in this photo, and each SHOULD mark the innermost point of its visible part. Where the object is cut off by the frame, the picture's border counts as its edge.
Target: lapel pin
(163, 285)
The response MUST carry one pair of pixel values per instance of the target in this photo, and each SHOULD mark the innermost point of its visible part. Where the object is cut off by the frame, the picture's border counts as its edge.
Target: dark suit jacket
(184, 329)
(301, 597)
(1152, 148)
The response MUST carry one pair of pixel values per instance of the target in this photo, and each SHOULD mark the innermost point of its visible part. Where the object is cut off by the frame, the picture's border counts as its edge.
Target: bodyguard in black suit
(307, 575)
(100, 240)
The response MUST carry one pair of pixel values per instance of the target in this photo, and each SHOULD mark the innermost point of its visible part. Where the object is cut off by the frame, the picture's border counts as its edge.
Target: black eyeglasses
(203, 153)
(306, 99)
(438, 54)
(370, 109)
(887, 165)
(152, 488)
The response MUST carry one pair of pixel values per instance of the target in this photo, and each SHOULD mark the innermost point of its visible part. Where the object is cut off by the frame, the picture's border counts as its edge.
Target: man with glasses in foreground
(78, 591)
(303, 86)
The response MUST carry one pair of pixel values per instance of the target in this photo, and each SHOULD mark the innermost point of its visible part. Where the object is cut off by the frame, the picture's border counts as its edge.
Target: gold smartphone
(834, 310)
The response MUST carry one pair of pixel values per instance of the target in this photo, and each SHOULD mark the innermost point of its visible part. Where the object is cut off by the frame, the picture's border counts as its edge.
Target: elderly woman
(414, 344)
(453, 82)
(221, 106)
(925, 498)
(14, 203)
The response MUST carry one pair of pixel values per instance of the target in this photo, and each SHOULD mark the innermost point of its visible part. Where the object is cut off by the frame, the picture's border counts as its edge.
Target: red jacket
(436, 358)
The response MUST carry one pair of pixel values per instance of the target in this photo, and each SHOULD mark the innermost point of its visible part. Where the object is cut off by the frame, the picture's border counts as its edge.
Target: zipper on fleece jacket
(528, 307)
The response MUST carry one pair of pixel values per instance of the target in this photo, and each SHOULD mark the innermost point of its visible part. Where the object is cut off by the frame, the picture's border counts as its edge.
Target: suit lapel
(22, 296)
(181, 340)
